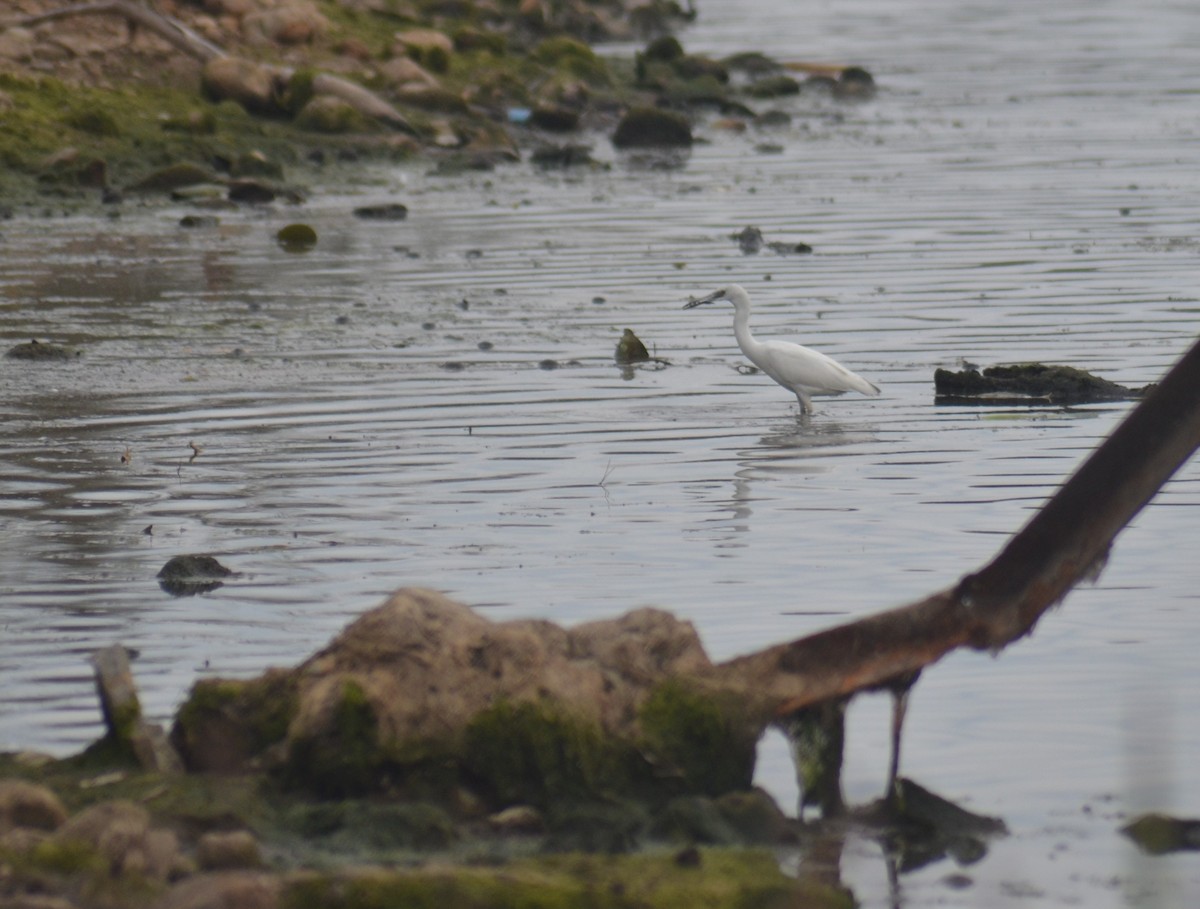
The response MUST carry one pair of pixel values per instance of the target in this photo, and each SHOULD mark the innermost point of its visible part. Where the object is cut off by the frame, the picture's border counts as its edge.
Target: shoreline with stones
(99, 110)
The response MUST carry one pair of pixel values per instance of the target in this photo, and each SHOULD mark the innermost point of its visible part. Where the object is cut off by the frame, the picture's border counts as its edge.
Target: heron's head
(711, 298)
(732, 292)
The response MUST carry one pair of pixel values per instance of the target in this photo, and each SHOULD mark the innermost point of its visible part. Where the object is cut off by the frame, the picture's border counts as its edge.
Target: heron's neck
(741, 328)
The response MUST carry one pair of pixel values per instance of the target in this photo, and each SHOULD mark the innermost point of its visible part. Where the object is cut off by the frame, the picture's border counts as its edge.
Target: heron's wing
(791, 365)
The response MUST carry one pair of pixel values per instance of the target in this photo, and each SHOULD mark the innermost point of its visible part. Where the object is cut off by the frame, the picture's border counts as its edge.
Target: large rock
(422, 691)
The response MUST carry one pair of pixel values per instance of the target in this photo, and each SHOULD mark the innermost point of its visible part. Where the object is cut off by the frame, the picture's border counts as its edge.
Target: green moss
(245, 716)
(722, 880)
(698, 738)
(534, 753)
(299, 90)
(96, 121)
(65, 857)
(346, 759)
(572, 56)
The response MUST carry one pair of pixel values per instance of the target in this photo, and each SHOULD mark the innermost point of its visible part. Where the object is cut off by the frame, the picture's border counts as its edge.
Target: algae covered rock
(188, 575)
(40, 351)
(1028, 383)
(630, 348)
(422, 696)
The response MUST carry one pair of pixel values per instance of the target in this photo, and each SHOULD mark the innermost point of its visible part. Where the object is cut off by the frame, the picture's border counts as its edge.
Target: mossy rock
(1029, 383)
(41, 352)
(296, 237)
(225, 723)
(704, 741)
(172, 177)
(572, 56)
(331, 116)
(535, 754)
(776, 86)
(94, 121)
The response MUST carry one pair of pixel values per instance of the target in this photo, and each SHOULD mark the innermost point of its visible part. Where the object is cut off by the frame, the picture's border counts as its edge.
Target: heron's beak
(700, 301)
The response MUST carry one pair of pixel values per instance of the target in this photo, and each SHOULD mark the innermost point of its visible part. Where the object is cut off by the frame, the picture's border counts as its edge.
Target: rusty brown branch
(989, 609)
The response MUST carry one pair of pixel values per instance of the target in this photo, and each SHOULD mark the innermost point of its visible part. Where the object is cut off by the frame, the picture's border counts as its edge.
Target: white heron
(801, 370)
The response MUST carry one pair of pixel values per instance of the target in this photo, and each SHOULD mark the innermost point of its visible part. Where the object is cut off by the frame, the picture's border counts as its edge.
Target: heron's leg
(806, 406)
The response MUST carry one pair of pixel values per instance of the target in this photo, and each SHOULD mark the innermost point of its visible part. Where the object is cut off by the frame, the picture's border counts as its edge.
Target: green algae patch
(224, 723)
(348, 756)
(296, 237)
(717, 879)
(573, 57)
(704, 740)
(535, 753)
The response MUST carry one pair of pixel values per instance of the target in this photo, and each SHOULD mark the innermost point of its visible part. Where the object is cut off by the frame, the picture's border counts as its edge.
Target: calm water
(375, 413)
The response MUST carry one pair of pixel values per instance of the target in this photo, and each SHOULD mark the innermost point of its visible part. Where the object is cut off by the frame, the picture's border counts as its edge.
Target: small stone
(423, 40)
(173, 177)
(240, 889)
(407, 73)
(517, 819)
(773, 87)
(252, 192)
(296, 237)
(228, 851)
(387, 211)
(554, 118)
(289, 23)
(327, 114)
(120, 832)
(252, 85)
(26, 805)
(648, 127)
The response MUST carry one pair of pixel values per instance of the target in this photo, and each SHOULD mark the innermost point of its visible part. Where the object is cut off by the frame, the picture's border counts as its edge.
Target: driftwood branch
(184, 39)
(170, 30)
(1066, 541)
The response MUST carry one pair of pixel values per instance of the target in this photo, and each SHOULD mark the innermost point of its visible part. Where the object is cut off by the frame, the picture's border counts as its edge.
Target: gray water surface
(378, 413)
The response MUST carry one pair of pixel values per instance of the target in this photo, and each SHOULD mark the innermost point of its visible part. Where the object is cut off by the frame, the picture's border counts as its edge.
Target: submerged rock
(386, 211)
(630, 348)
(1028, 383)
(36, 350)
(173, 177)
(188, 575)
(1159, 834)
(651, 127)
(296, 237)
(567, 155)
